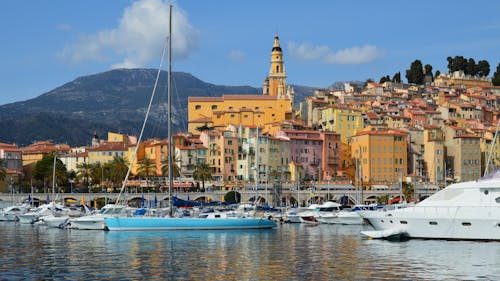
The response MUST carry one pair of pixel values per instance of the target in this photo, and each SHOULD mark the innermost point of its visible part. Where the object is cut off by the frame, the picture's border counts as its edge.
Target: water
(290, 252)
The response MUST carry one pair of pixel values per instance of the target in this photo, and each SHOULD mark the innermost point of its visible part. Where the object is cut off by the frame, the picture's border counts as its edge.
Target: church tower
(275, 83)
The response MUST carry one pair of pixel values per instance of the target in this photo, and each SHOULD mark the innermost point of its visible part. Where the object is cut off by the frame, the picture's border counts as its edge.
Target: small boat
(43, 210)
(96, 221)
(12, 213)
(62, 219)
(344, 216)
(315, 212)
(292, 216)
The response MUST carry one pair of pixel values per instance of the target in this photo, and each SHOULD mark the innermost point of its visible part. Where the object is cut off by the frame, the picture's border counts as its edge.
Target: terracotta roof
(109, 146)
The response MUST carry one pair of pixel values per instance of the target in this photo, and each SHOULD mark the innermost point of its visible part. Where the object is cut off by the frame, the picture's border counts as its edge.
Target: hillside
(115, 100)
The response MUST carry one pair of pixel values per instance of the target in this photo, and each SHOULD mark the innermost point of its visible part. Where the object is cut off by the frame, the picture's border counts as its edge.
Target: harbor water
(289, 252)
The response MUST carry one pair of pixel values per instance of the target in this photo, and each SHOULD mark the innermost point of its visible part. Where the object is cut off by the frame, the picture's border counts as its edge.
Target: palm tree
(176, 170)
(84, 172)
(202, 172)
(3, 170)
(147, 168)
(118, 170)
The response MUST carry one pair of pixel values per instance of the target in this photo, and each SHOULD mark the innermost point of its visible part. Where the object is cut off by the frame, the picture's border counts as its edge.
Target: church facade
(266, 111)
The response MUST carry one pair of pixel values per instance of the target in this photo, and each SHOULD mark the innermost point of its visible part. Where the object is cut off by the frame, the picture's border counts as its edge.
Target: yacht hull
(155, 223)
(454, 223)
(88, 223)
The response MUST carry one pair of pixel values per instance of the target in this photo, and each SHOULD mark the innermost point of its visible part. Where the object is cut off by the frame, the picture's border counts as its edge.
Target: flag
(82, 201)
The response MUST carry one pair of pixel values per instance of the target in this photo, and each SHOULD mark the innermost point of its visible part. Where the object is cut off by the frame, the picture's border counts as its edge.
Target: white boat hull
(55, 222)
(460, 223)
(88, 223)
(9, 217)
(28, 218)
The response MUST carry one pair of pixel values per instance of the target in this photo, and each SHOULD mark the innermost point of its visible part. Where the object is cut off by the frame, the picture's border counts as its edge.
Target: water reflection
(290, 252)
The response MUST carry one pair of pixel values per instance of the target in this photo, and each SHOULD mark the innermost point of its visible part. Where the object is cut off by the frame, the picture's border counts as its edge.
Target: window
(197, 107)
(214, 107)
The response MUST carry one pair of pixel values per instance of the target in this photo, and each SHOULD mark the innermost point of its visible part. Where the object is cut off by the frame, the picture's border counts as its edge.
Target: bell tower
(275, 83)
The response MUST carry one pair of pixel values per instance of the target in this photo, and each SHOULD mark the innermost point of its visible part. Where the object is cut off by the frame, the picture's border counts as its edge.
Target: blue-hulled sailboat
(216, 221)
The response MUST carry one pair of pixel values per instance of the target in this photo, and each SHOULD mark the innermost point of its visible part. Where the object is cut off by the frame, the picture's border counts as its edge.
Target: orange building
(381, 155)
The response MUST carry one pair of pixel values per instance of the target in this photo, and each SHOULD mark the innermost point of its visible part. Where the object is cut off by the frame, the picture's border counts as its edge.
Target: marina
(288, 252)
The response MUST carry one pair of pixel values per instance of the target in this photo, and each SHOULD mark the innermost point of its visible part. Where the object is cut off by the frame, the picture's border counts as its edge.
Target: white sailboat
(120, 223)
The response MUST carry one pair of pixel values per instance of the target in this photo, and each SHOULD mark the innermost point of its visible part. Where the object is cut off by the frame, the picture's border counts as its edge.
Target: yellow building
(434, 153)
(266, 111)
(345, 121)
(381, 156)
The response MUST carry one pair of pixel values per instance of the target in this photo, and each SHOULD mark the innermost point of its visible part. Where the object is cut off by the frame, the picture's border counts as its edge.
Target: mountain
(115, 100)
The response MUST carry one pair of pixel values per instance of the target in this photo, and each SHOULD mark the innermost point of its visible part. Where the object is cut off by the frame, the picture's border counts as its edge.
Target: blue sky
(47, 43)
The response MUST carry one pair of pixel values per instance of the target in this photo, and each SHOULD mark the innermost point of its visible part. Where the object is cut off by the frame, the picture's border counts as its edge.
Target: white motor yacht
(315, 213)
(467, 210)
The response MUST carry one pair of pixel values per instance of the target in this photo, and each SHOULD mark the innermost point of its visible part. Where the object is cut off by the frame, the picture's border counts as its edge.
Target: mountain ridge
(114, 100)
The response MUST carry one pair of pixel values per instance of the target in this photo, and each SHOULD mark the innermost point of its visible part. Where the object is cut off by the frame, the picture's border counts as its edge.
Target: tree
(415, 74)
(44, 170)
(202, 172)
(496, 76)
(176, 170)
(3, 170)
(385, 79)
(397, 77)
(457, 63)
(84, 172)
(147, 168)
(471, 67)
(436, 75)
(428, 69)
(483, 68)
(118, 170)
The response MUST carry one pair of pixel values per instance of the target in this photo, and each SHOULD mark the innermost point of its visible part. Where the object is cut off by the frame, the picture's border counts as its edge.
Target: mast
(169, 98)
(486, 170)
(54, 178)
(257, 172)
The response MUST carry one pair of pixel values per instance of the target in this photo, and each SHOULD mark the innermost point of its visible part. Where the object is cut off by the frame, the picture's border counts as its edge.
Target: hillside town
(377, 135)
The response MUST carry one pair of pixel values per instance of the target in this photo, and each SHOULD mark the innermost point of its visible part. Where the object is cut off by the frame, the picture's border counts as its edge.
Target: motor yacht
(462, 211)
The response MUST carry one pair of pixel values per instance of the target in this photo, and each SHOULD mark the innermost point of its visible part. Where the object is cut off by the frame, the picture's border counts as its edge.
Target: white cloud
(237, 56)
(322, 53)
(138, 38)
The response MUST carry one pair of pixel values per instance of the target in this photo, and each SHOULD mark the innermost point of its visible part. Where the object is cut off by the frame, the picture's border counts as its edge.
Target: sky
(47, 43)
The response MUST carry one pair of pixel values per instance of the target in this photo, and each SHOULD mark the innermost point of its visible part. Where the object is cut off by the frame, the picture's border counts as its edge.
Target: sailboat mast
(169, 97)
(54, 178)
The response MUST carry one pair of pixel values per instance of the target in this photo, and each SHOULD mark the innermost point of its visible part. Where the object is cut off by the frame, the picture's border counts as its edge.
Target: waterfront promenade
(286, 194)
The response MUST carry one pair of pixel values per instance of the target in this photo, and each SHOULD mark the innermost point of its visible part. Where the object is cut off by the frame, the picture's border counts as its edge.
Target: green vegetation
(43, 172)
(202, 172)
(3, 170)
(415, 74)
(496, 76)
(468, 66)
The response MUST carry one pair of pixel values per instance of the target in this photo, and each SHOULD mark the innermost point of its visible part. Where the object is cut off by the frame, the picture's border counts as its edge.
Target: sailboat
(219, 222)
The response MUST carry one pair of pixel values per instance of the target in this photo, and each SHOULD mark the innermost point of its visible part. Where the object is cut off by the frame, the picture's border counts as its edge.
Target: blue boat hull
(154, 223)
